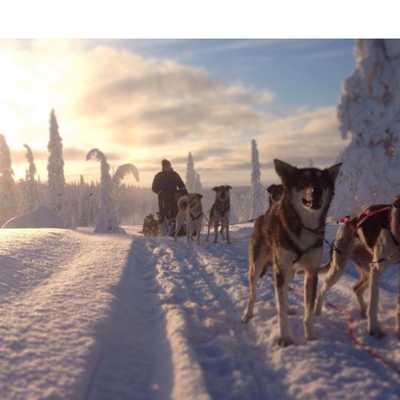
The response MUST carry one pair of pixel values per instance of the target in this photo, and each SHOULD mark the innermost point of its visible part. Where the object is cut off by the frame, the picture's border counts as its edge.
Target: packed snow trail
(49, 325)
(88, 316)
(208, 285)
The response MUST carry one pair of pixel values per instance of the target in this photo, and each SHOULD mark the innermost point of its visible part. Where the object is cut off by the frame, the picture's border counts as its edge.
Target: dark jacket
(168, 181)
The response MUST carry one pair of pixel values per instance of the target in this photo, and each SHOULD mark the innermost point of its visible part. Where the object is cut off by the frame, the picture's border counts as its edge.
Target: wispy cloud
(142, 109)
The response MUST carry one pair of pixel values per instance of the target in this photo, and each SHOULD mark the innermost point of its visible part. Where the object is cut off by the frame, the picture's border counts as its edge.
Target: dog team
(289, 238)
(181, 212)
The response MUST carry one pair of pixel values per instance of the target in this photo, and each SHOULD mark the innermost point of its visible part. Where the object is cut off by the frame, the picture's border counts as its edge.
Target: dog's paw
(318, 308)
(284, 341)
(246, 318)
(311, 338)
(376, 333)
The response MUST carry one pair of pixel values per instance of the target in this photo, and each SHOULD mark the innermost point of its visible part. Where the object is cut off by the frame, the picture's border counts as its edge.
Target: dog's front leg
(281, 279)
(209, 228)
(373, 304)
(398, 312)
(178, 226)
(198, 230)
(228, 239)
(189, 230)
(216, 224)
(310, 293)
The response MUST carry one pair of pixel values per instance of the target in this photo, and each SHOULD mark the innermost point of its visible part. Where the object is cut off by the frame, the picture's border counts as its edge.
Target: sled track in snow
(133, 359)
(261, 381)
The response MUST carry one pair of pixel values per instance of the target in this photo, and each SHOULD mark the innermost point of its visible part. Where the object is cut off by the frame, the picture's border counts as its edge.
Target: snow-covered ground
(86, 316)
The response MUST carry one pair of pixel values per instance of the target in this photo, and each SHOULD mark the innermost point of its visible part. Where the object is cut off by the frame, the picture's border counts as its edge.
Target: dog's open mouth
(314, 204)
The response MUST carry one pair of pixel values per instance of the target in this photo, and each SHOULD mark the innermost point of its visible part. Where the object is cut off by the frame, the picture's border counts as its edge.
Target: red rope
(356, 341)
(359, 343)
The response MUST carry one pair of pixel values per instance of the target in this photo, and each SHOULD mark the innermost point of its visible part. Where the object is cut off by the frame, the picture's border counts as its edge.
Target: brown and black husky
(290, 236)
(219, 213)
(372, 241)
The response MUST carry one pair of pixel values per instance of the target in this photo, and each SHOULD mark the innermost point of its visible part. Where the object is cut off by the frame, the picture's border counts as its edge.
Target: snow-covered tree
(369, 111)
(257, 192)
(55, 167)
(8, 198)
(31, 192)
(190, 174)
(107, 217)
(197, 187)
(106, 220)
(121, 172)
(193, 181)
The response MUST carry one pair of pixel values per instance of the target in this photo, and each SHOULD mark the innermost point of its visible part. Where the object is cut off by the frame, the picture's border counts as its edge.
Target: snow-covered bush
(107, 219)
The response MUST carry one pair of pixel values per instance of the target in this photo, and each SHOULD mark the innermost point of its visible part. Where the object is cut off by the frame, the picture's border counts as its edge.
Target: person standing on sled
(168, 185)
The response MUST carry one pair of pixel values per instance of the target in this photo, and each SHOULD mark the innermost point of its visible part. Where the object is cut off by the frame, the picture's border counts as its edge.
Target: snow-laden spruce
(369, 111)
(8, 198)
(55, 167)
(193, 181)
(107, 217)
(30, 187)
(257, 191)
(198, 187)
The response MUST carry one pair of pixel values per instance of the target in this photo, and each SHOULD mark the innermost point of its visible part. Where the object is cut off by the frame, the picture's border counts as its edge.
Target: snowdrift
(42, 217)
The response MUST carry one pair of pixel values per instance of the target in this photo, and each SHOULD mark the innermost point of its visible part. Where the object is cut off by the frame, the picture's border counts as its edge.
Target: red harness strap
(356, 221)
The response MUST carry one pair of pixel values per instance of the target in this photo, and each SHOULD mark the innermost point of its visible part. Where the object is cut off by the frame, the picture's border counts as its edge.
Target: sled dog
(190, 215)
(150, 226)
(372, 241)
(219, 213)
(290, 236)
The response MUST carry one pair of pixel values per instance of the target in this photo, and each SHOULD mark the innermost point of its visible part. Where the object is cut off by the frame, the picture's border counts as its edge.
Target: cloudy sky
(143, 100)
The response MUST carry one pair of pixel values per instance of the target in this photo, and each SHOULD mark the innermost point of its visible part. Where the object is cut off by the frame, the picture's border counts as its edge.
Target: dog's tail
(183, 203)
(254, 250)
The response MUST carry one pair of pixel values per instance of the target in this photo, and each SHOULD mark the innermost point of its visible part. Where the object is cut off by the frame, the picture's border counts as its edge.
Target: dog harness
(195, 218)
(297, 249)
(301, 252)
(357, 221)
(225, 206)
(368, 212)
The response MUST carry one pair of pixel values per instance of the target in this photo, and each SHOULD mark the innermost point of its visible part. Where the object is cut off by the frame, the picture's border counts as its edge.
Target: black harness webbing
(297, 249)
(195, 217)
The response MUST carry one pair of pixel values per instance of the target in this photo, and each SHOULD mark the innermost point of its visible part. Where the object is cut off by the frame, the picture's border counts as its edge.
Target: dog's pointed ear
(334, 171)
(270, 188)
(286, 172)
